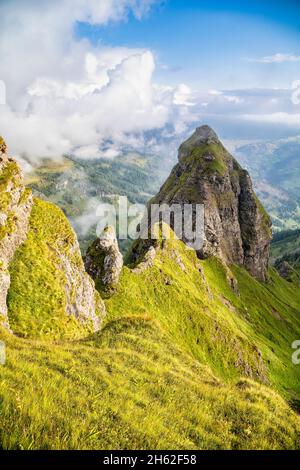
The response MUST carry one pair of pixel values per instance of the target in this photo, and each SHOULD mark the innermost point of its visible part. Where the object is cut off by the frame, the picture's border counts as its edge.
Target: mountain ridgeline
(177, 349)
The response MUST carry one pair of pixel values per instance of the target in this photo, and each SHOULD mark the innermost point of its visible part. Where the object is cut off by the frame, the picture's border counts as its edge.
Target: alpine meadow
(134, 337)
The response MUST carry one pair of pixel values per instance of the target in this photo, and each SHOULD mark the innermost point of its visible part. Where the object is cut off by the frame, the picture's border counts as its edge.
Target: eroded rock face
(83, 301)
(237, 228)
(104, 261)
(15, 208)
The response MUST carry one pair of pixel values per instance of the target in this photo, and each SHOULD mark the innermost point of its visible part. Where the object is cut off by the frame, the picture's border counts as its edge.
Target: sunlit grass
(182, 362)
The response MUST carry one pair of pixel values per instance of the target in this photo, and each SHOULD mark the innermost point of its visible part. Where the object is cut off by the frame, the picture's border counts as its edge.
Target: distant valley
(275, 170)
(78, 186)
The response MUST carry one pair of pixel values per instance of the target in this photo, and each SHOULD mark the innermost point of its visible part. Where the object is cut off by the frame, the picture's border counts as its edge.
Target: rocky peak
(104, 261)
(237, 228)
(203, 135)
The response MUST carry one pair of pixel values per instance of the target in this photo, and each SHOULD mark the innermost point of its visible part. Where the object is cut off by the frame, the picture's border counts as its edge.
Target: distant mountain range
(275, 170)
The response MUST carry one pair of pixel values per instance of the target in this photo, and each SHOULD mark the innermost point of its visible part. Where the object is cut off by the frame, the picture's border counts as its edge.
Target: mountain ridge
(190, 354)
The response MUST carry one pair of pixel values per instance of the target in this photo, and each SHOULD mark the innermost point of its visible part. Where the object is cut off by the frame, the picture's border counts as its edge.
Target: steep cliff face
(15, 207)
(237, 228)
(44, 288)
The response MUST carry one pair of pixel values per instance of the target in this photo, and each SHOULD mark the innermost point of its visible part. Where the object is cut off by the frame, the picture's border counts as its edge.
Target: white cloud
(65, 95)
(215, 92)
(282, 118)
(233, 99)
(276, 58)
(253, 113)
(182, 95)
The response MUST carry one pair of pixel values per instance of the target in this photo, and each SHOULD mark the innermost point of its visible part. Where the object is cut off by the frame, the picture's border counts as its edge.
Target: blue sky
(119, 71)
(205, 44)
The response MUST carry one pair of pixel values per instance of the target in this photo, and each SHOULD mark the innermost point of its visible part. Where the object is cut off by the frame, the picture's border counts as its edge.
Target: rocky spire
(237, 228)
(203, 135)
(104, 261)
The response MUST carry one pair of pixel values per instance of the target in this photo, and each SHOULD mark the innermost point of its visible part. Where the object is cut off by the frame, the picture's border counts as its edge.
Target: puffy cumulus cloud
(65, 95)
(183, 95)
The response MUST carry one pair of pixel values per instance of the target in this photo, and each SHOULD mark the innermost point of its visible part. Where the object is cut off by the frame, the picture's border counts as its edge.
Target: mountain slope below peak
(224, 318)
(195, 364)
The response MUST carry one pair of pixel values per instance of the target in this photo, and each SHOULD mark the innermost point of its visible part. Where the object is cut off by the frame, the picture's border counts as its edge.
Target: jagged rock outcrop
(104, 262)
(15, 207)
(44, 288)
(236, 227)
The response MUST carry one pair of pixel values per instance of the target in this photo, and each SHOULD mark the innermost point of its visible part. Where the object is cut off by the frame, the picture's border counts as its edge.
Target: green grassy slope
(38, 297)
(132, 388)
(183, 361)
(249, 332)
